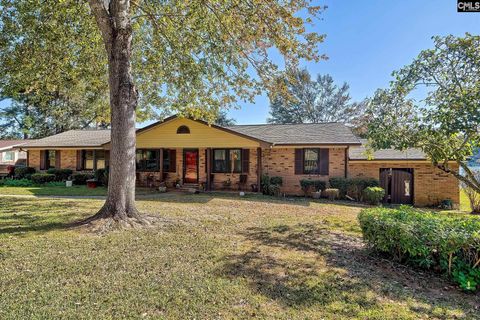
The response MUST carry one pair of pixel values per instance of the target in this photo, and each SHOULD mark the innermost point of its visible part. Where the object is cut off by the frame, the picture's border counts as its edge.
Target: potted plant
(92, 183)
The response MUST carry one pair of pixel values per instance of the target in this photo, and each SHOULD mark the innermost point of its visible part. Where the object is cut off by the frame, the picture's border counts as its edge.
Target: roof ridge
(284, 124)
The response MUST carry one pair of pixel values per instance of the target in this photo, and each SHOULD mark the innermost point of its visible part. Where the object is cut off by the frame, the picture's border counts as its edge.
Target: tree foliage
(445, 123)
(313, 101)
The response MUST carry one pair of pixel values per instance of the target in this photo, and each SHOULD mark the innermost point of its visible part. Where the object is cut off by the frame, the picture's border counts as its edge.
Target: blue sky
(367, 40)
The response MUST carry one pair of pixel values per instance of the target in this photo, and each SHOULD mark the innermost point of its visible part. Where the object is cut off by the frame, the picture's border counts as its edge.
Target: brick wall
(34, 159)
(430, 185)
(281, 162)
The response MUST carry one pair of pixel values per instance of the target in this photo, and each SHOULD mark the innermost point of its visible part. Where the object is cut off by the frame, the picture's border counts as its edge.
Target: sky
(367, 40)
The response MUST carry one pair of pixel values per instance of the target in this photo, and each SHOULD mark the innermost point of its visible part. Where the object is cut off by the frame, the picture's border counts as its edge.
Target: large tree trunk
(115, 25)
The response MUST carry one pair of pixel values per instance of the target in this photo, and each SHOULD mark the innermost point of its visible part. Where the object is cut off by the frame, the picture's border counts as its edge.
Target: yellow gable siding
(201, 135)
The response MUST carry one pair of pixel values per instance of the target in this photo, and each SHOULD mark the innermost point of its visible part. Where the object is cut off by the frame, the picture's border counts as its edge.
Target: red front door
(190, 166)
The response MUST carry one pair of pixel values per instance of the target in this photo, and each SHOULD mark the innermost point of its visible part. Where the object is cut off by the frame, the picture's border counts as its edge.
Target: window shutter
(324, 161)
(173, 160)
(107, 158)
(157, 155)
(79, 160)
(245, 160)
(298, 161)
(57, 159)
(43, 159)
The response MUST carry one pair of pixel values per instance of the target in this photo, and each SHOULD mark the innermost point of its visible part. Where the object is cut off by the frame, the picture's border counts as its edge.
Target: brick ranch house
(191, 152)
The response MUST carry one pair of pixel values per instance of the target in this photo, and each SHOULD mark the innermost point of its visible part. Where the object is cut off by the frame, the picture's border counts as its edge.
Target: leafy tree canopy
(445, 124)
(313, 101)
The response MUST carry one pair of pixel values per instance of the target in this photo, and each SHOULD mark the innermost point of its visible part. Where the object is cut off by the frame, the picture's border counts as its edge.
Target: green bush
(41, 178)
(17, 182)
(353, 187)
(60, 174)
(271, 185)
(373, 195)
(276, 181)
(81, 178)
(433, 241)
(101, 175)
(24, 172)
(331, 193)
(309, 186)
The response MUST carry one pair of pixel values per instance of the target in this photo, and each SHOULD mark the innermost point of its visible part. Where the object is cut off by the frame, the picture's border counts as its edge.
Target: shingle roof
(304, 133)
(72, 138)
(359, 153)
(5, 144)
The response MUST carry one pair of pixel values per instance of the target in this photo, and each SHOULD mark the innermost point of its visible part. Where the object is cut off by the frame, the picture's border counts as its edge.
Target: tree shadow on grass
(308, 264)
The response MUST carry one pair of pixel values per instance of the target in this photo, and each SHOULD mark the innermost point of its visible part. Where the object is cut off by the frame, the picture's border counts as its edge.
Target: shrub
(276, 181)
(433, 241)
(271, 185)
(101, 175)
(339, 183)
(472, 194)
(355, 186)
(60, 174)
(81, 178)
(331, 193)
(373, 195)
(24, 172)
(41, 178)
(309, 186)
(17, 182)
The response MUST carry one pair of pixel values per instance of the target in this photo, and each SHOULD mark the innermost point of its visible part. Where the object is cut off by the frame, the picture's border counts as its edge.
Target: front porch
(204, 169)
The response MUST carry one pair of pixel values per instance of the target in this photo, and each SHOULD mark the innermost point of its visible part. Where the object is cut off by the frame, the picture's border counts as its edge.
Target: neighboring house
(10, 154)
(191, 152)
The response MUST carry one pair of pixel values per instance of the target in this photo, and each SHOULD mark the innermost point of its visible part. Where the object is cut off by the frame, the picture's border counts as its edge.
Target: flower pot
(68, 183)
(316, 195)
(162, 189)
(91, 184)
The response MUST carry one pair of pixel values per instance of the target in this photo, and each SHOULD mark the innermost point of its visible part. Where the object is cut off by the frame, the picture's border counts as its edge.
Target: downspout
(346, 161)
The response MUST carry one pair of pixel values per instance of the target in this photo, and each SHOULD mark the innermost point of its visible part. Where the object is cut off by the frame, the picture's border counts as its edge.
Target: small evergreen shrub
(81, 178)
(42, 178)
(433, 241)
(24, 172)
(309, 186)
(271, 185)
(101, 175)
(331, 193)
(60, 174)
(355, 186)
(373, 195)
(339, 183)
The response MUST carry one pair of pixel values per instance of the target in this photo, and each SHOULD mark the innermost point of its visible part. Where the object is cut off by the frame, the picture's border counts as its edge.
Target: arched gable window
(183, 130)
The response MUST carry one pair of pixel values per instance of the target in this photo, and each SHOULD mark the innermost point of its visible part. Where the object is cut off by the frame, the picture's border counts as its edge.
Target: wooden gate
(398, 185)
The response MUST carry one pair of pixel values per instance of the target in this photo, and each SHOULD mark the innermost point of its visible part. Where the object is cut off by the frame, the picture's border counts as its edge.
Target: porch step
(190, 187)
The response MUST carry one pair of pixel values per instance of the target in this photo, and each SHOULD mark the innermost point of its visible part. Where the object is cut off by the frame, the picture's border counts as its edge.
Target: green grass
(62, 191)
(217, 257)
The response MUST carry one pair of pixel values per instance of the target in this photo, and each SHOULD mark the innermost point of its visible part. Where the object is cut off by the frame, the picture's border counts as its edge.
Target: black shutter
(324, 161)
(107, 158)
(245, 160)
(43, 159)
(173, 160)
(157, 155)
(79, 160)
(298, 161)
(57, 159)
(206, 160)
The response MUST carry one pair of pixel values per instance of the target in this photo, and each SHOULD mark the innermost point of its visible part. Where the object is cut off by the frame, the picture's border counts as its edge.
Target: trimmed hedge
(24, 172)
(353, 187)
(373, 195)
(41, 178)
(60, 174)
(81, 178)
(433, 241)
(309, 186)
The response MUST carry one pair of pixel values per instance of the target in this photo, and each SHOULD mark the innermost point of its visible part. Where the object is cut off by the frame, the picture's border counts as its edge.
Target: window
(310, 161)
(147, 160)
(227, 160)
(50, 161)
(93, 159)
(9, 156)
(183, 130)
(169, 160)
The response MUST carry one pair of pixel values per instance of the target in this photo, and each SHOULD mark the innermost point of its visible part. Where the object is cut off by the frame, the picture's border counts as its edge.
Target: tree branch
(104, 21)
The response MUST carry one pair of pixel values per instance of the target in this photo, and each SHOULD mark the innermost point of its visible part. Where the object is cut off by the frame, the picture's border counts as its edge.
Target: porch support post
(208, 159)
(161, 164)
(259, 167)
(346, 161)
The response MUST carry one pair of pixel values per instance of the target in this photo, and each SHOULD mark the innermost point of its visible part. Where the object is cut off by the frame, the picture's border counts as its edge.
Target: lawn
(214, 257)
(62, 191)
